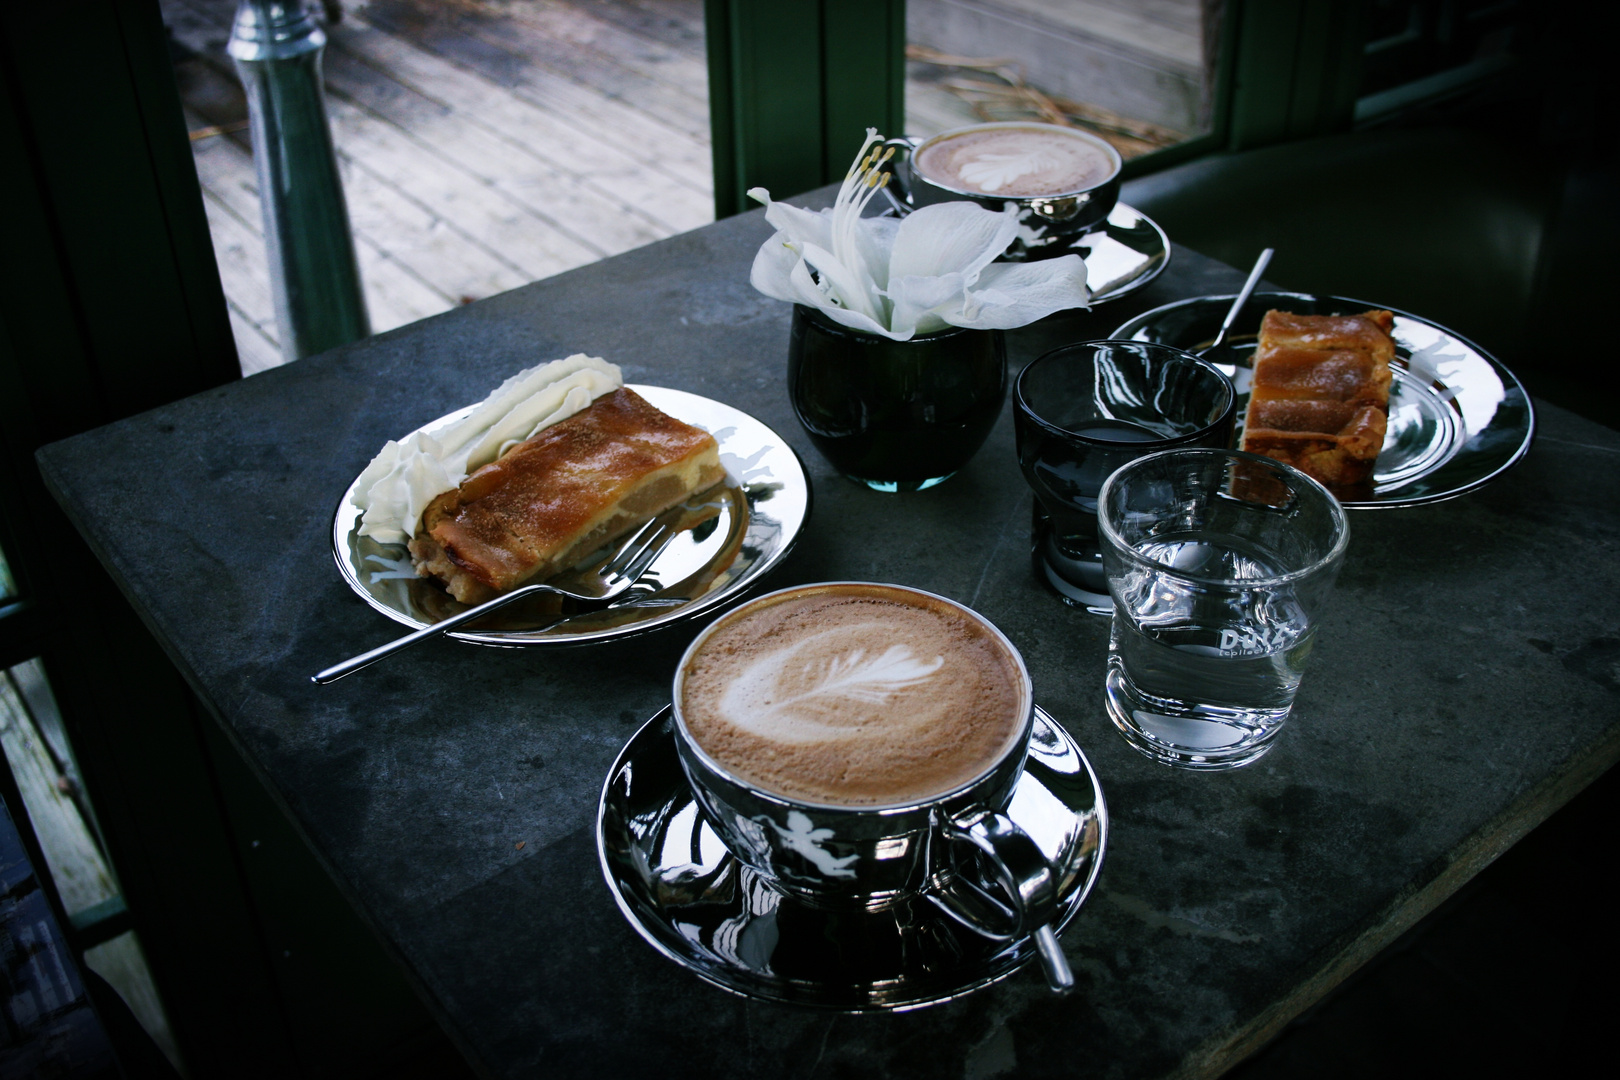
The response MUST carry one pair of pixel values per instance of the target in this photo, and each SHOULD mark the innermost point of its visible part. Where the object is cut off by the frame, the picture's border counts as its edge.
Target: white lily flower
(931, 270)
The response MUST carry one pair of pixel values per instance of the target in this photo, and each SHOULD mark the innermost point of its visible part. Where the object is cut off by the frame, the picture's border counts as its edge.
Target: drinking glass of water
(1219, 563)
(1082, 411)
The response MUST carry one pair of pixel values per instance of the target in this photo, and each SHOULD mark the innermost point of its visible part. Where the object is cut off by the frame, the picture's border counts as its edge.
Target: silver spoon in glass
(1260, 265)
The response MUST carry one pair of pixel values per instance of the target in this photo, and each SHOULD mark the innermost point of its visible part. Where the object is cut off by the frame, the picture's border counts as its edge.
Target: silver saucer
(1458, 419)
(1123, 254)
(692, 901)
(757, 516)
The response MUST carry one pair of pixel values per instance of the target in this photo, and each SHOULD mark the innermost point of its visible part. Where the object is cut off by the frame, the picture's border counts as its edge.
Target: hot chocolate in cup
(1064, 181)
(856, 742)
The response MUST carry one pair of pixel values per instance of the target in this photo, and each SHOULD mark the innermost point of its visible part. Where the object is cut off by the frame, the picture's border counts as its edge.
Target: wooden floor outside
(482, 145)
(36, 749)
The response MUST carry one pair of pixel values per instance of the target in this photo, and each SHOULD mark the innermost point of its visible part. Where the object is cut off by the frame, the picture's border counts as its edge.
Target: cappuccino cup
(1063, 180)
(857, 743)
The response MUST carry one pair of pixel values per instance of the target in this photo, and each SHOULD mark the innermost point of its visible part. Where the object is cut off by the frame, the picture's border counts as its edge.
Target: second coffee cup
(1064, 181)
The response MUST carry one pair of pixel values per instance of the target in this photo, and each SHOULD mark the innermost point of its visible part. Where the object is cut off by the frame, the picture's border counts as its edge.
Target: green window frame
(793, 86)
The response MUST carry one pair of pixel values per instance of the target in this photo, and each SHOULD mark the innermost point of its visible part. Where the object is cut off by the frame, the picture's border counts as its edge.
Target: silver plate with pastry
(733, 534)
(1457, 420)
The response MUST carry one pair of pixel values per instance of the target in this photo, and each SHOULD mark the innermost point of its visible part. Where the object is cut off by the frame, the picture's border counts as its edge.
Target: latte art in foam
(992, 172)
(794, 697)
(853, 694)
(1017, 161)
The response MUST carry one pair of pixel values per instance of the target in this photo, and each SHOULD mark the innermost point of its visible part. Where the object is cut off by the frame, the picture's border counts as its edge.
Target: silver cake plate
(726, 923)
(751, 522)
(1458, 418)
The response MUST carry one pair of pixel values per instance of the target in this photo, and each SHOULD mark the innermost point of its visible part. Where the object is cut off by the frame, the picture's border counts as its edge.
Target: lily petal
(875, 242)
(952, 236)
(803, 226)
(808, 291)
(810, 295)
(1009, 295)
(773, 264)
(919, 302)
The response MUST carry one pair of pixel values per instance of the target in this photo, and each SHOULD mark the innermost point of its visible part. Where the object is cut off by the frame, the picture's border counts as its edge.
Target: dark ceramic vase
(895, 415)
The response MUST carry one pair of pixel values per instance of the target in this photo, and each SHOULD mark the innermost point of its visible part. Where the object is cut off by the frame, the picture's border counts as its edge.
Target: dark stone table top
(1464, 685)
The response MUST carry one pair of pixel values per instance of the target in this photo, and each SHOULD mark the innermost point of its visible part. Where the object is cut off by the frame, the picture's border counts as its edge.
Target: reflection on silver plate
(1124, 253)
(684, 892)
(747, 526)
(1458, 419)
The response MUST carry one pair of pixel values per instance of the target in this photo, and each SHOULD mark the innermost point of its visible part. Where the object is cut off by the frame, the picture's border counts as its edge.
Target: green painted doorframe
(1296, 70)
(793, 88)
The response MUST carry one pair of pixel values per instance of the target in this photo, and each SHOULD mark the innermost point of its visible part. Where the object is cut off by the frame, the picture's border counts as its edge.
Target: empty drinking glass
(1082, 411)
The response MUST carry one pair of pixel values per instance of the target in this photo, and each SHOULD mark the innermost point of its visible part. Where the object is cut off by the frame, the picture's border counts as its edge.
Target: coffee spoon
(1053, 963)
(1243, 295)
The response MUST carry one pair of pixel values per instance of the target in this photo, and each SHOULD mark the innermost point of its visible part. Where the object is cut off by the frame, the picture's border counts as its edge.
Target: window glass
(483, 144)
(1419, 51)
(1138, 72)
(1411, 39)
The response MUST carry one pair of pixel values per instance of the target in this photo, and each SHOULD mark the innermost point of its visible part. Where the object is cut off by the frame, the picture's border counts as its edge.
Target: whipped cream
(410, 473)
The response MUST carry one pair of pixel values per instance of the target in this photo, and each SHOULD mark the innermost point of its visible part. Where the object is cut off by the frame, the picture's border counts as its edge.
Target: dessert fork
(595, 587)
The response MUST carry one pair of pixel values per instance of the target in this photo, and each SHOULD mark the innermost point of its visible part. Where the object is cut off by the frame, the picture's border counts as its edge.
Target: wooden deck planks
(931, 109)
(482, 146)
(72, 858)
(1169, 29)
(678, 24)
(418, 147)
(40, 760)
(500, 54)
(434, 249)
(239, 251)
(590, 181)
(564, 40)
(255, 350)
(623, 64)
(469, 167)
(495, 221)
(395, 293)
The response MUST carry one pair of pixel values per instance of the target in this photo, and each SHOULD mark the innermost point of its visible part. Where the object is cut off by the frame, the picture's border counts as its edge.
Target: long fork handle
(366, 659)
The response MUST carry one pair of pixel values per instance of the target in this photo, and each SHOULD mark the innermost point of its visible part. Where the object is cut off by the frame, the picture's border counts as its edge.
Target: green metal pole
(314, 277)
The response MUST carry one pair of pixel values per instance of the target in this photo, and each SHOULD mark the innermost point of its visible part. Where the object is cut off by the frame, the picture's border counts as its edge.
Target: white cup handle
(900, 180)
